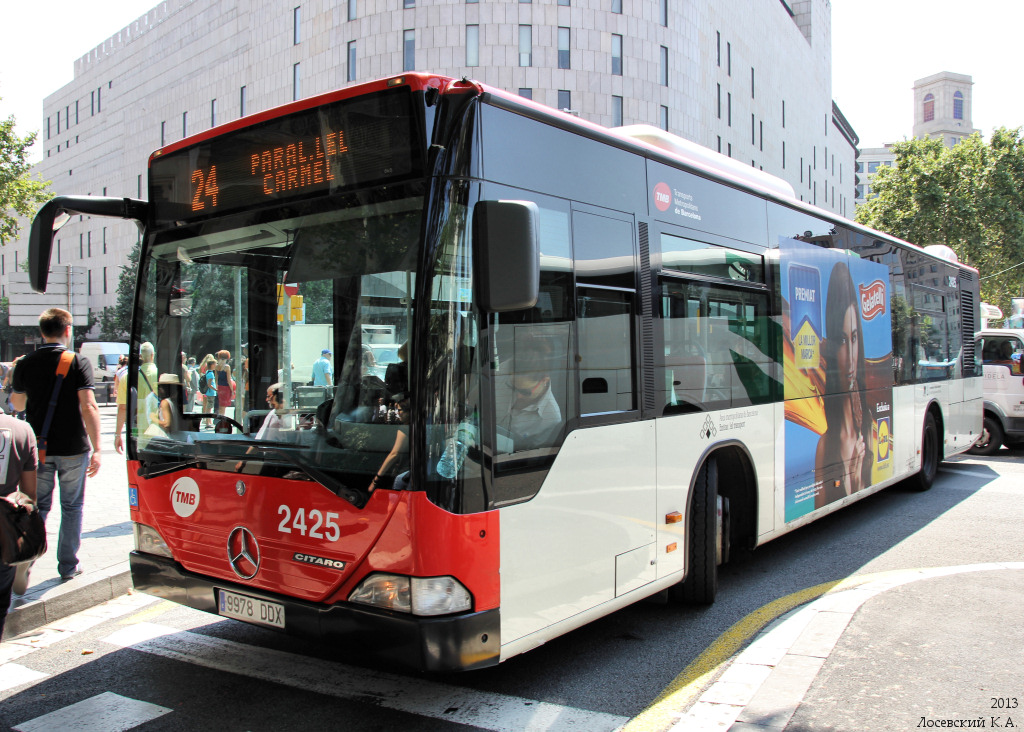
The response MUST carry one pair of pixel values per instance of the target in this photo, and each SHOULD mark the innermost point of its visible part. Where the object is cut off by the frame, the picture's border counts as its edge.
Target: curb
(67, 599)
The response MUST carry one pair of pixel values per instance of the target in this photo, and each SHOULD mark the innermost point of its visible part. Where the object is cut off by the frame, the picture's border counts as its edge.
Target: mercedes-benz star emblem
(243, 552)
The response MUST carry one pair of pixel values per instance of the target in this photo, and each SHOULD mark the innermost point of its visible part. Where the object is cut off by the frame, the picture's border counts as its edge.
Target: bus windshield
(275, 346)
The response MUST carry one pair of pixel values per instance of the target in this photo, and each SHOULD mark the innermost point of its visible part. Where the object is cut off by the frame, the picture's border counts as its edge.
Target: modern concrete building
(749, 79)
(942, 108)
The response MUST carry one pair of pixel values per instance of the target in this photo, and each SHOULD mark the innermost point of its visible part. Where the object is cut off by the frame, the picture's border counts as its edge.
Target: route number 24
(204, 186)
(317, 521)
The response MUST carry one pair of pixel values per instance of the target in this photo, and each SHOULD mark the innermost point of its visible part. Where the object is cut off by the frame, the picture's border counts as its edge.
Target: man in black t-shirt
(75, 424)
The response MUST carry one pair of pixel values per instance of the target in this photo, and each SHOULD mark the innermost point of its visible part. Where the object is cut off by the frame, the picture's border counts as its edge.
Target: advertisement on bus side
(838, 370)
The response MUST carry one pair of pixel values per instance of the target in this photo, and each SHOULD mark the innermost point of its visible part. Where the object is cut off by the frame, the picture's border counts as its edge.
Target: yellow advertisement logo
(806, 346)
(883, 444)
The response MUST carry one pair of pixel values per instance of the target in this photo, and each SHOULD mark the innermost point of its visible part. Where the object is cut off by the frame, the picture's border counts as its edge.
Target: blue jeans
(69, 470)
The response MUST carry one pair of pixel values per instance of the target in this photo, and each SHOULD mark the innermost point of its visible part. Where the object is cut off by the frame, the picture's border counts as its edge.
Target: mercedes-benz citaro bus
(620, 356)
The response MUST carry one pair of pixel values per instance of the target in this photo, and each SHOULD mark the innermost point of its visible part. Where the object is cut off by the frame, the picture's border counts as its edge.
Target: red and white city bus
(613, 357)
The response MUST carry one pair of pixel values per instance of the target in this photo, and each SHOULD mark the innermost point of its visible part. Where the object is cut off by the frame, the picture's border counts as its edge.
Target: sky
(879, 48)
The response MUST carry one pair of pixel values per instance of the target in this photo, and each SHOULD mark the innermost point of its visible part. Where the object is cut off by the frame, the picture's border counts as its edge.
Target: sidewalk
(106, 541)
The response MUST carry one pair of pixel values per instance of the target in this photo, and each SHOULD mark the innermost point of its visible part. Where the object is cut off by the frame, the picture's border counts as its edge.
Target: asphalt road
(202, 671)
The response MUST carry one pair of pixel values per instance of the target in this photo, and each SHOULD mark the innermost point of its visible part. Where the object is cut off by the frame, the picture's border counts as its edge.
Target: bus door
(617, 450)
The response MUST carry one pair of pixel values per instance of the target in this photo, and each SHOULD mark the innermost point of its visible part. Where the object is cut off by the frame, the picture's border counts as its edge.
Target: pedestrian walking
(56, 391)
(17, 473)
(323, 373)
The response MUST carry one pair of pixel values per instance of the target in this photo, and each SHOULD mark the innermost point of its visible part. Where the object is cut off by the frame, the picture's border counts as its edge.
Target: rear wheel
(708, 541)
(991, 439)
(931, 447)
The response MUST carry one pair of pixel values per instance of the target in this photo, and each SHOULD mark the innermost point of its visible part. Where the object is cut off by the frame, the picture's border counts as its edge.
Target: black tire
(701, 583)
(991, 439)
(931, 455)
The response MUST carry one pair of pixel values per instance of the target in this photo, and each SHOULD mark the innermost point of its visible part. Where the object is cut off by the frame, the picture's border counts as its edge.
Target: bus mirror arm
(57, 211)
(506, 255)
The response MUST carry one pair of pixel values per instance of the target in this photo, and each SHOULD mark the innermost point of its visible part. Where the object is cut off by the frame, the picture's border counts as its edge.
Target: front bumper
(450, 643)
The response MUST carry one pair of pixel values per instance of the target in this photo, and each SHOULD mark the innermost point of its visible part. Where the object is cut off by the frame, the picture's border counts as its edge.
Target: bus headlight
(416, 595)
(148, 540)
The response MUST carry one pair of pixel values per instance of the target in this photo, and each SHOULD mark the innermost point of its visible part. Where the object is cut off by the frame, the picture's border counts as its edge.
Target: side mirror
(57, 211)
(506, 255)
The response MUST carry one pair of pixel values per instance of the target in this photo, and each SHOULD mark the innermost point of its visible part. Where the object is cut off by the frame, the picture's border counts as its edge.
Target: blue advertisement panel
(838, 369)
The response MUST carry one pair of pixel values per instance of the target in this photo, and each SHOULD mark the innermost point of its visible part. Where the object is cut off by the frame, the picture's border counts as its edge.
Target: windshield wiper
(149, 470)
(338, 489)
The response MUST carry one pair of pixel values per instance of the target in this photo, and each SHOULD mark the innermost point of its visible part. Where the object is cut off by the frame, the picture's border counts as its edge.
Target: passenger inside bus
(398, 459)
(166, 417)
(533, 418)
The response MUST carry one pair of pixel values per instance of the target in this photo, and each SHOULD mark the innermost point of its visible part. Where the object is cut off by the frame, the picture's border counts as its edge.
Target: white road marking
(106, 712)
(14, 674)
(498, 712)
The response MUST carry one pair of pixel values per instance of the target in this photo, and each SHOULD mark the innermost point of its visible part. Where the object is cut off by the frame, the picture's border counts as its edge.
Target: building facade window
(163, 134)
(526, 92)
(563, 48)
(213, 113)
(526, 45)
(104, 280)
(728, 59)
(184, 124)
(352, 10)
(616, 55)
(718, 51)
(408, 50)
(564, 2)
(718, 100)
(408, 3)
(351, 72)
(241, 102)
(728, 108)
(296, 26)
(929, 107)
(751, 82)
(472, 45)
(616, 111)
(958, 105)
(664, 118)
(296, 82)
(617, 7)
(663, 66)
(663, 12)
(564, 100)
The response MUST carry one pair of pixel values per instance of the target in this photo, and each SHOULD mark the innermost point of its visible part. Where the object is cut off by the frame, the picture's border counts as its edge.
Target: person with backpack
(54, 385)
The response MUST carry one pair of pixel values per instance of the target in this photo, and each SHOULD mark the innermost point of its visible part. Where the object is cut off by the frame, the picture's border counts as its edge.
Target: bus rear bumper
(451, 643)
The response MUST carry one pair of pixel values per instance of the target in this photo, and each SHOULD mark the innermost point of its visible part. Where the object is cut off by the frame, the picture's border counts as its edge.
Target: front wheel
(931, 455)
(991, 438)
(707, 535)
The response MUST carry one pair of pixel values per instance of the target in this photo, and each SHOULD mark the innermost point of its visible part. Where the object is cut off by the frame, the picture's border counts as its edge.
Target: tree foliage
(20, 194)
(969, 197)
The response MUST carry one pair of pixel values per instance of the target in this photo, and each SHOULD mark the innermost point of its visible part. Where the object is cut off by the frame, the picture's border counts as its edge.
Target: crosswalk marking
(498, 712)
(14, 674)
(106, 712)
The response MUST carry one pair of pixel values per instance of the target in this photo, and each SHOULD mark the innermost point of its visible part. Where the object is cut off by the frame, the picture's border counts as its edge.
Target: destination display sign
(356, 142)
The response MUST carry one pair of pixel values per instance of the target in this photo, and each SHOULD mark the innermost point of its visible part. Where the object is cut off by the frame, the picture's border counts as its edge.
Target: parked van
(1003, 390)
(103, 357)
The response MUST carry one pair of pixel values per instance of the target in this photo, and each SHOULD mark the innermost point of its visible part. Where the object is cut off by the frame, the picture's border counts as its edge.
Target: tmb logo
(662, 196)
(872, 299)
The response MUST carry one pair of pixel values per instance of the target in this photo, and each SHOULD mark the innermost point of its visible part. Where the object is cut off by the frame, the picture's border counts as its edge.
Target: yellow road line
(150, 612)
(688, 685)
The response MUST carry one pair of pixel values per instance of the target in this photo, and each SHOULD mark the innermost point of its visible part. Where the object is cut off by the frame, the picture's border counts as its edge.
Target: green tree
(125, 303)
(20, 194)
(969, 197)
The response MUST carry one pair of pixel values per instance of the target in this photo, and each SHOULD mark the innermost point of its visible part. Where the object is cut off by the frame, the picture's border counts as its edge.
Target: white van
(103, 357)
(1003, 389)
